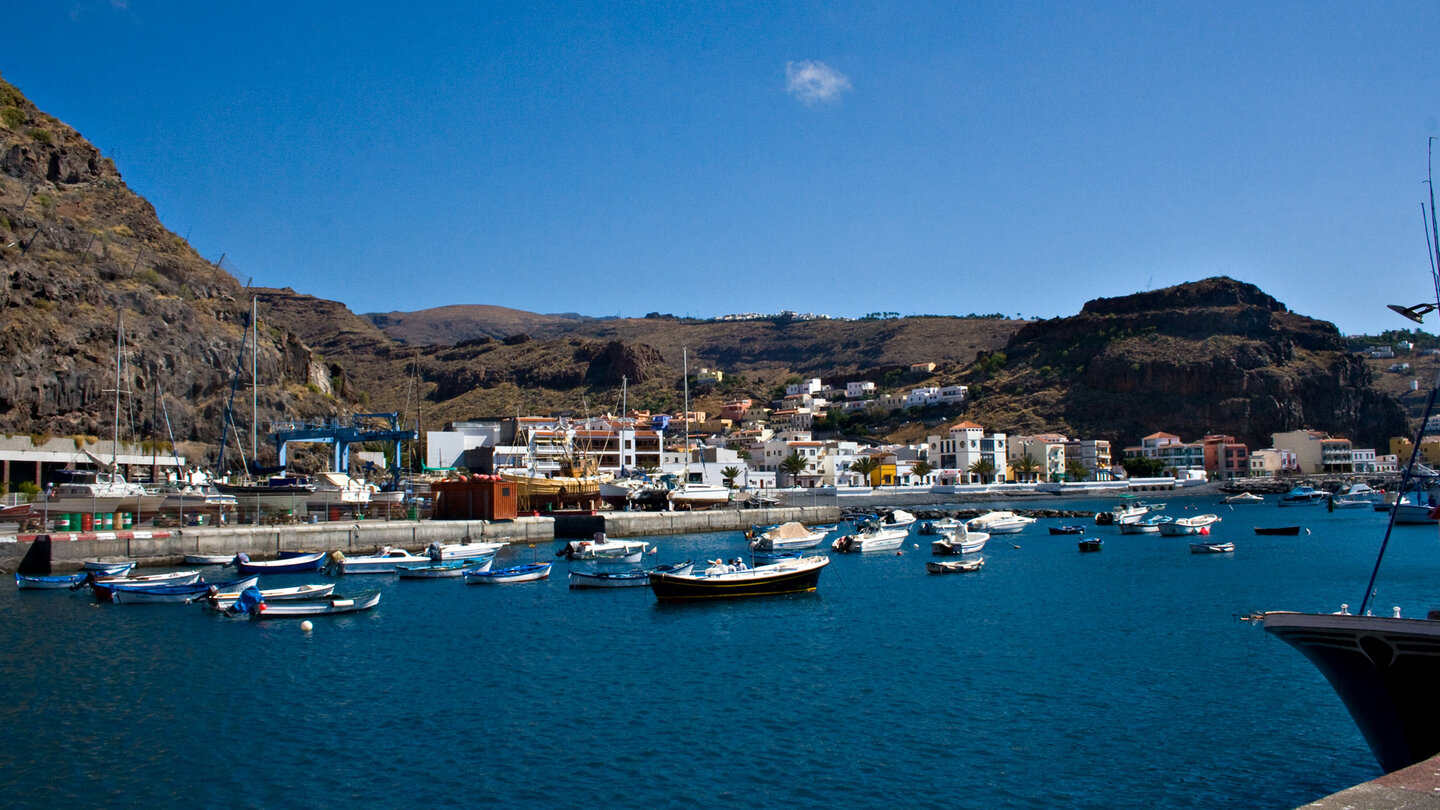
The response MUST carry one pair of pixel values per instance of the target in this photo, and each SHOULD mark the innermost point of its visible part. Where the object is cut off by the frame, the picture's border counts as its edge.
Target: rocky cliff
(83, 260)
(1215, 356)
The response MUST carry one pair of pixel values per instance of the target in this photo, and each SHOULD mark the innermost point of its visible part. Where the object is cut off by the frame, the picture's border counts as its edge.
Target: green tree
(866, 466)
(1075, 471)
(984, 469)
(793, 465)
(730, 474)
(1026, 468)
(921, 469)
(1140, 467)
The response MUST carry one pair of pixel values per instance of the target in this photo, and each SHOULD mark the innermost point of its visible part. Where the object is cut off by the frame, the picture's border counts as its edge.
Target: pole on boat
(1432, 245)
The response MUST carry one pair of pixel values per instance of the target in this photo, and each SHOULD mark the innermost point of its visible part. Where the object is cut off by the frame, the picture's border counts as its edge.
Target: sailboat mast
(119, 348)
(254, 383)
(685, 382)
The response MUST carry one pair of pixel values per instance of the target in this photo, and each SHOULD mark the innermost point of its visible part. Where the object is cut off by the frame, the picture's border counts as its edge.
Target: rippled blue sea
(1048, 679)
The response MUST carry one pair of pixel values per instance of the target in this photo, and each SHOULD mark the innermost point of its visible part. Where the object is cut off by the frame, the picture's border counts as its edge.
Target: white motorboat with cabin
(999, 523)
(871, 539)
(1182, 527)
(336, 489)
(959, 541)
(1303, 496)
(600, 547)
(91, 491)
(385, 561)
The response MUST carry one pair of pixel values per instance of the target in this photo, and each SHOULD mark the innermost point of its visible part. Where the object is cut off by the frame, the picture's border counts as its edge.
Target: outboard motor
(433, 551)
(250, 601)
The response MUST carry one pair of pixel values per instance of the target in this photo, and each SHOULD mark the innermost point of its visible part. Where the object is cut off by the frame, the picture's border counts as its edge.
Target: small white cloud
(814, 82)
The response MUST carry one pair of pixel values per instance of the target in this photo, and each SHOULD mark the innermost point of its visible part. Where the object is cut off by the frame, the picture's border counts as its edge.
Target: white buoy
(307, 626)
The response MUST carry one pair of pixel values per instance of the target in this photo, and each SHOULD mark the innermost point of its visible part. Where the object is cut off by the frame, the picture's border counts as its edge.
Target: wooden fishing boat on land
(719, 583)
(516, 573)
(954, 566)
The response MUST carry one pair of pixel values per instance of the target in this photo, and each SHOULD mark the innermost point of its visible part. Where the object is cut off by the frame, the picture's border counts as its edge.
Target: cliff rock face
(1215, 356)
(84, 260)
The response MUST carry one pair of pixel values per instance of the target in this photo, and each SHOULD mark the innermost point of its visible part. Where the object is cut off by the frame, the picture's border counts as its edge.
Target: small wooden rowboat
(517, 573)
(955, 566)
(304, 610)
(295, 563)
(1091, 544)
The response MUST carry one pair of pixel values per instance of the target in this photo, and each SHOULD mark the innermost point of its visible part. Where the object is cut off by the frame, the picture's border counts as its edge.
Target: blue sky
(708, 158)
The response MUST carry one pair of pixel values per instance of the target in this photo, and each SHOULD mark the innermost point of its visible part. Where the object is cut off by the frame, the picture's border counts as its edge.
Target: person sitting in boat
(740, 564)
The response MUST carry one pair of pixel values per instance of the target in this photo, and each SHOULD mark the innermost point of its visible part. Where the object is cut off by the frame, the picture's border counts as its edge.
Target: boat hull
(956, 567)
(505, 576)
(301, 610)
(1090, 545)
(780, 579)
(285, 565)
(1383, 669)
(1211, 548)
(48, 583)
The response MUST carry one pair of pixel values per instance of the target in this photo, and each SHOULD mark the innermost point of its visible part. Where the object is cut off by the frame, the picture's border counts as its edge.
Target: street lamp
(1415, 313)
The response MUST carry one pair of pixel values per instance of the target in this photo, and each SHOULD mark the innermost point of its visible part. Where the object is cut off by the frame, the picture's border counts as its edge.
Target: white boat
(940, 526)
(959, 541)
(694, 496)
(171, 578)
(1302, 496)
(1359, 491)
(89, 491)
(339, 490)
(1244, 497)
(1355, 503)
(197, 497)
(444, 552)
(1146, 525)
(872, 539)
(113, 568)
(1127, 511)
(788, 536)
(897, 519)
(955, 566)
(639, 578)
(1414, 509)
(518, 573)
(450, 569)
(167, 594)
(724, 581)
(223, 600)
(384, 561)
(999, 523)
(281, 494)
(601, 547)
(209, 559)
(1181, 527)
(1212, 548)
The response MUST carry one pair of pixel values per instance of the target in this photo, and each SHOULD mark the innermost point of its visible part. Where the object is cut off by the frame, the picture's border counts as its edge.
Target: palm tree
(920, 469)
(1027, 467)
(730, 474)
(983, 468)
(793, 465)
(865, 466)
(1075, 471)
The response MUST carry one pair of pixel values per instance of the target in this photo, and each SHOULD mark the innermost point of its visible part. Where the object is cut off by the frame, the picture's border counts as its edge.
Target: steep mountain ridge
(1214, 356)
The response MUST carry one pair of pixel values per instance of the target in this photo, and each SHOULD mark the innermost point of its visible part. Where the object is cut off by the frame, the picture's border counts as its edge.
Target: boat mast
(119, 348)
(254, 383)
(685, 381)
(1432, 245)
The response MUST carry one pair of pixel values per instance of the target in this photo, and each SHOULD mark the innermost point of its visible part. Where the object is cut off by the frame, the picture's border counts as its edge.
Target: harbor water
(1049, 678)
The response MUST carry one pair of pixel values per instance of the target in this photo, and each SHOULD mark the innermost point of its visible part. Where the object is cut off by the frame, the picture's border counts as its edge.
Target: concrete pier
(169, 546)
(1414, 788)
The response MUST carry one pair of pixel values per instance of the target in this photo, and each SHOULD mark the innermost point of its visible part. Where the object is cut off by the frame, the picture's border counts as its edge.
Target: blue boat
(517, 573)
(298, 563)
(120, 593)
(759, 558)
(49, 583)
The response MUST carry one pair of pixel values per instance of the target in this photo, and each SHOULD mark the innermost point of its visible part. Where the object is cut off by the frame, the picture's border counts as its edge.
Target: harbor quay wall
(169, 547)
(639, 524)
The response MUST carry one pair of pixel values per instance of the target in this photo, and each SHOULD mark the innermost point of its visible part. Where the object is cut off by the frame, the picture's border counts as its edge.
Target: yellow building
(1401, 447)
